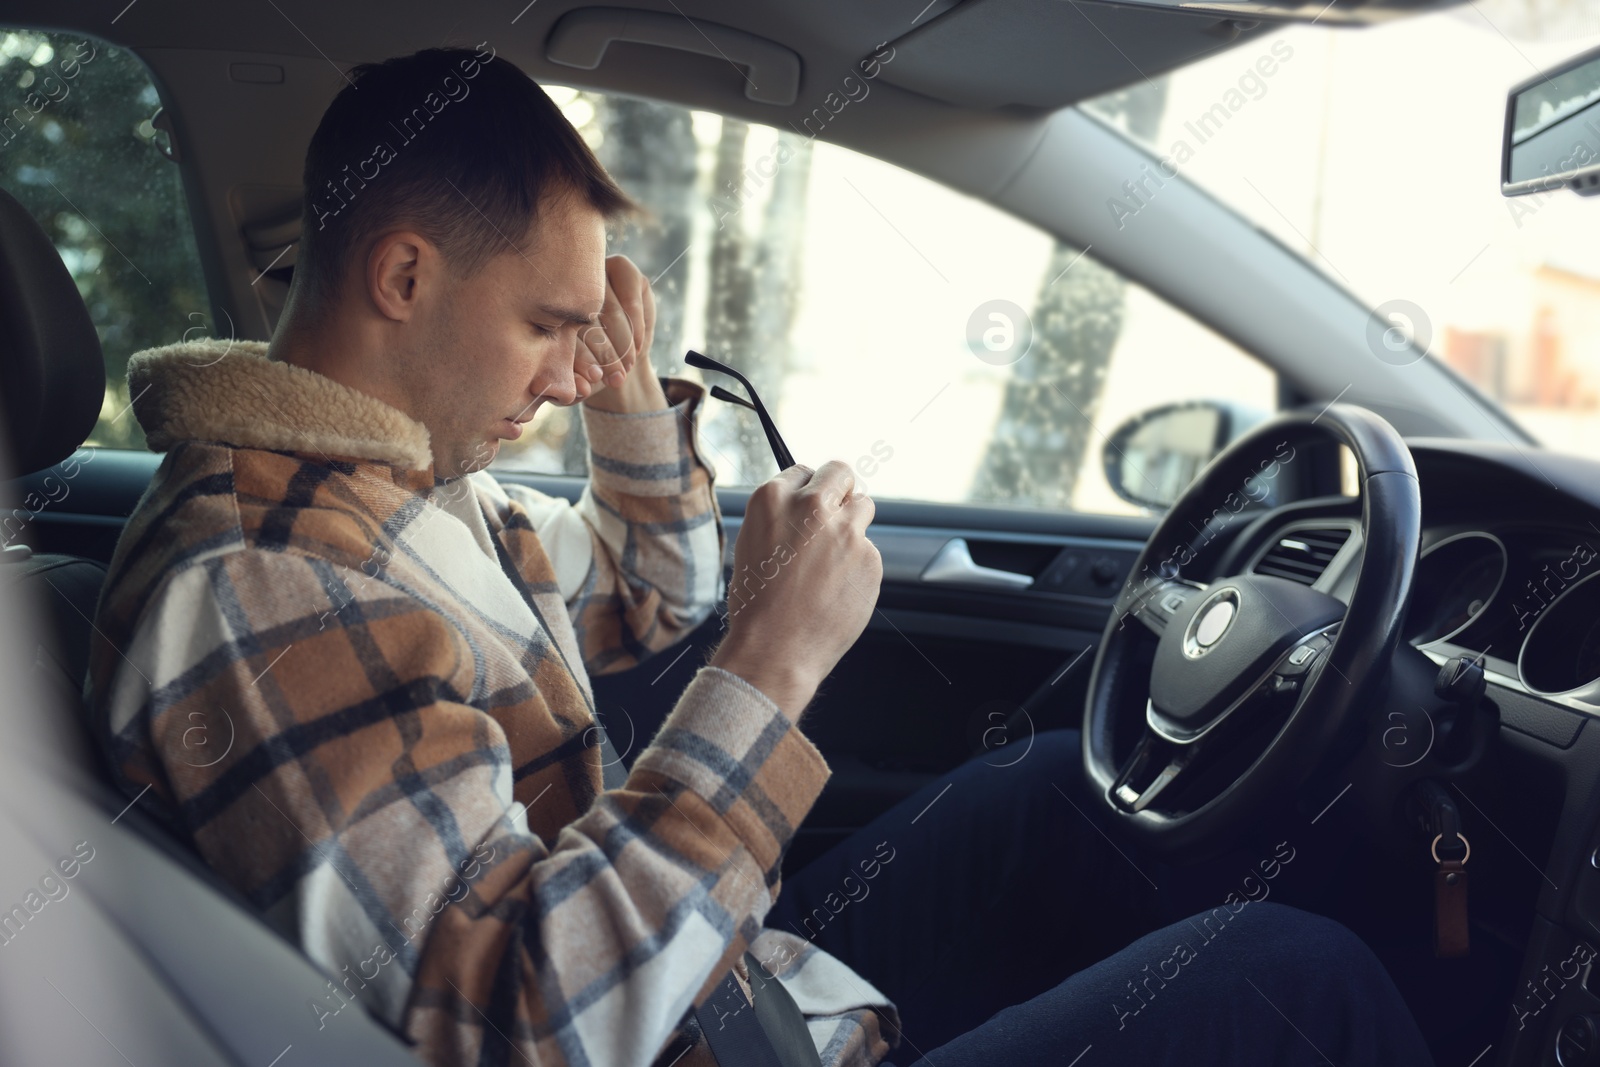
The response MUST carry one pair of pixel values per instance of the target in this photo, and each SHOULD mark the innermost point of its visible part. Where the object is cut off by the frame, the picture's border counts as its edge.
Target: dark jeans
(1010, 930)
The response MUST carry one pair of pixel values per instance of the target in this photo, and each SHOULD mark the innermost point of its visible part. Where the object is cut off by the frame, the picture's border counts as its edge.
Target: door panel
(79, 506)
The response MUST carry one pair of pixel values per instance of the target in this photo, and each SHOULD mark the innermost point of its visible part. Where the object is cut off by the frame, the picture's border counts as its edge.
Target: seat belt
(774, 1034)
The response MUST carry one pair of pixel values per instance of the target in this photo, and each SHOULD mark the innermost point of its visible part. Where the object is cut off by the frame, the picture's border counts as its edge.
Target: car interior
(1335, 594)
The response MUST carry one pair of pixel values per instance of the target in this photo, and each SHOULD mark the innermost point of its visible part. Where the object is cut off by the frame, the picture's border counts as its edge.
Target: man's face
(492, 348)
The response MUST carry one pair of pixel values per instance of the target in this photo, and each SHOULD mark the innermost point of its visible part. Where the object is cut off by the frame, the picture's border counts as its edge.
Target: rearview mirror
(1151, 459)
(1552, 134)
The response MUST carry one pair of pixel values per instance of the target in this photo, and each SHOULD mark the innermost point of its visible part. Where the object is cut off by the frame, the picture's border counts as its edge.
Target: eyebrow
(572, 315)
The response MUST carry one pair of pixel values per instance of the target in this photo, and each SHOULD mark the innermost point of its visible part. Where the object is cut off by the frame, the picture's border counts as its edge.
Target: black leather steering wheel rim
(1334, 694)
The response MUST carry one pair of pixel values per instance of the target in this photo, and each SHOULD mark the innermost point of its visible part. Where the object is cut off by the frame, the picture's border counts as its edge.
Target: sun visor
(1047, 54)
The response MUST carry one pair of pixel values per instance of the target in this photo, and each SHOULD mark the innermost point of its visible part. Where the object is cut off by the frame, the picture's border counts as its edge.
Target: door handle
(952, 565)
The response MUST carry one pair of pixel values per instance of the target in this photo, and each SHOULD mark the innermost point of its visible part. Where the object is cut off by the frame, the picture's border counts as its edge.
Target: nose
(562, 387)
(562, 392)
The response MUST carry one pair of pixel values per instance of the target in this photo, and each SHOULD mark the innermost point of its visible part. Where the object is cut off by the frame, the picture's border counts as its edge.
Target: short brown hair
(459, 144)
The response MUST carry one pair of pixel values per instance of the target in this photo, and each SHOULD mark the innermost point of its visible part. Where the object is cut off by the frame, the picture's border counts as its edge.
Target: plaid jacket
(309, 657)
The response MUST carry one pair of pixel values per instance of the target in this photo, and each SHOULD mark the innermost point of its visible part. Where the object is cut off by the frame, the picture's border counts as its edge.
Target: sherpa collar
(231, 392)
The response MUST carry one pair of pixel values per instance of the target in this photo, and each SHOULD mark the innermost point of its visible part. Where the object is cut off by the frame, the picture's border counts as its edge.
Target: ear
(400, 267)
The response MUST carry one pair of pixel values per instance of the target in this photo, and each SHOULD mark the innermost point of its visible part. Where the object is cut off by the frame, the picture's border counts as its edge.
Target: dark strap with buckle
(768, 1030)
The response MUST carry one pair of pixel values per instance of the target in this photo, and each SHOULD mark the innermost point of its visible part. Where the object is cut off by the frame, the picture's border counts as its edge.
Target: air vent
(1302, 555)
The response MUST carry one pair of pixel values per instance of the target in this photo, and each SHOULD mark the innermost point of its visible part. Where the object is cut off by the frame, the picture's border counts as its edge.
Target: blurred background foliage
(78, 149)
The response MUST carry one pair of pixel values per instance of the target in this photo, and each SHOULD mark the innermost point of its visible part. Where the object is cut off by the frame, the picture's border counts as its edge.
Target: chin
(480, 458)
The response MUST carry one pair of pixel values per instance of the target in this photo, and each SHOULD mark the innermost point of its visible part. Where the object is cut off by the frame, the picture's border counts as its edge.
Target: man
(353, 668)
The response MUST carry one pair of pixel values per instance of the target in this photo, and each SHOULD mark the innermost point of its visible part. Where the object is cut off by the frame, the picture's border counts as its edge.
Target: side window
(950, 351)
(78, 148)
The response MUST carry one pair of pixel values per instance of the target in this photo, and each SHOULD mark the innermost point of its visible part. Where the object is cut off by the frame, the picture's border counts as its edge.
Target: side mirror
(1151, 459)
(1552, 134)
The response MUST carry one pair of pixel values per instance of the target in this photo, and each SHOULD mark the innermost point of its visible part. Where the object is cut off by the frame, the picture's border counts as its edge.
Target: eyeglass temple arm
(733, 398)
(780, 451)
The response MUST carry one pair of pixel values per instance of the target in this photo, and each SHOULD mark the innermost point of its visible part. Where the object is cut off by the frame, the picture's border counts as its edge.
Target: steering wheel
(1190, 678)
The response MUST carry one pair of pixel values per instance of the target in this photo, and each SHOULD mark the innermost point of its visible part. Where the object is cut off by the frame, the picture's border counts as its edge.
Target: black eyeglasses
(780, 451)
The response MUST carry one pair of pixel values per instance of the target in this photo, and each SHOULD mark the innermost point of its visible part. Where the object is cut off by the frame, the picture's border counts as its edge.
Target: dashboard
(1520, 596)
(1508, 572)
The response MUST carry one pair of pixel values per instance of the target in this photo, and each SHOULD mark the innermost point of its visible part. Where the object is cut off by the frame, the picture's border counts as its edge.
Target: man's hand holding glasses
(805, 577)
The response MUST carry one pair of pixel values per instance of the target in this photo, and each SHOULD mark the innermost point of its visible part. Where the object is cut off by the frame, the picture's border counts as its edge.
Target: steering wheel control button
(1172, 602)
(1303, 656)
(1578, 1042)
(1210, 623)
(1195, 686)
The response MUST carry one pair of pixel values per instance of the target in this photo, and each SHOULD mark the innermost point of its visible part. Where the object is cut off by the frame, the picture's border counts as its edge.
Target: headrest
(52, 376)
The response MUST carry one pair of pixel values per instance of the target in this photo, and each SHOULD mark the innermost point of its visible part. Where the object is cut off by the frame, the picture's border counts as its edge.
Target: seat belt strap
(732, 1030)
(768, 1030)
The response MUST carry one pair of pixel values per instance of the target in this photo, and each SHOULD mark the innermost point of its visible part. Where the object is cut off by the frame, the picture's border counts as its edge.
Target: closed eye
(545, 331)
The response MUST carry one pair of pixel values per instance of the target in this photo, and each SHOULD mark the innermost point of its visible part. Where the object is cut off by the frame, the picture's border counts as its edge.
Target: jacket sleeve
(352, 793)
(638, 557)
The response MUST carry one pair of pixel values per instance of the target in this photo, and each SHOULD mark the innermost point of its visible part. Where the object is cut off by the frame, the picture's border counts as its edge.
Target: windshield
(1375, 153)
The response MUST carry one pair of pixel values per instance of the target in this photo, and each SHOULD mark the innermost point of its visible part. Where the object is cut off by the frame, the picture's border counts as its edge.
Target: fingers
(833, 483)
(859, 511)
(623, 317)
(604, 355)
(841, 497)
(647, 324)
(831, 498)
(608, 351)
(628, 283)
(610, 344)
(615, 349)
(795, 477)
(586, 369)
(595, 354)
